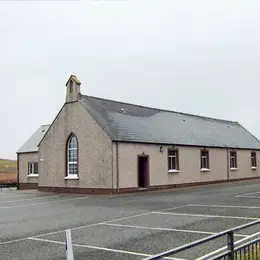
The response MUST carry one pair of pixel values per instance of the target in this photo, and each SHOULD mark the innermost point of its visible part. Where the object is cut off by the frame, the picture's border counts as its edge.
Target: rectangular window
(173, 160)
(233, 160)
(204, 159)
(253, 160)
(32, 168)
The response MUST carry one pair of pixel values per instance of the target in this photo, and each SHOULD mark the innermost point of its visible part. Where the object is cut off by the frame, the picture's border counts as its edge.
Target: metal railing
(247, 251)
(7, 185)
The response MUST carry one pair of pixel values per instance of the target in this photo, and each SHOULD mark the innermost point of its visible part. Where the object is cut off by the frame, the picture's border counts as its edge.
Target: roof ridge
(163, 110)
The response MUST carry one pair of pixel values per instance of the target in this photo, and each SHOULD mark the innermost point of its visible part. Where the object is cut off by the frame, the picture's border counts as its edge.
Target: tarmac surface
(129, 226)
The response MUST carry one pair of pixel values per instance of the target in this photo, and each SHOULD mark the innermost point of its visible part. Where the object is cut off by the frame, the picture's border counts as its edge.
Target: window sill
(253, 168)
(233, 169)
(173, 171)
(204, 170)
(71, 178)
(32, 175)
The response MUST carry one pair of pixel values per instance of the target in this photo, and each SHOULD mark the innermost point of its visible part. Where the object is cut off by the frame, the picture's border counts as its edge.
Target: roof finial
(74, 78)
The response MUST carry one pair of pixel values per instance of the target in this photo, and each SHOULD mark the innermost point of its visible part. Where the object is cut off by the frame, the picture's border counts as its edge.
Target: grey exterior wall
(189, 161)
(95, 151)
(24, 158)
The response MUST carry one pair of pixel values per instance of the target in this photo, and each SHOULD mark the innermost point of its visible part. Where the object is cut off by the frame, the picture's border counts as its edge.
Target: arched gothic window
(72, 156)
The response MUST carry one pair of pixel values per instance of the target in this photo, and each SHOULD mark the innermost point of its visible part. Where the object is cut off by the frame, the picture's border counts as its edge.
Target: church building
(95, 145)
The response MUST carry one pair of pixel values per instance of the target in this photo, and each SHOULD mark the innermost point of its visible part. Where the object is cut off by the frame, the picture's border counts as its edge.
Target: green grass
(250, 255)
(8, 166)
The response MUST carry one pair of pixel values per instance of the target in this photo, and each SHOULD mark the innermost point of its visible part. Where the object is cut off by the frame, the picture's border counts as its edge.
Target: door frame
(147, 173)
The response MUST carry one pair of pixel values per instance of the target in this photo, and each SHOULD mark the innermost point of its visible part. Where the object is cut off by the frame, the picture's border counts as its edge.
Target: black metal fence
(248, 251)
(8, 185)
(232, 251)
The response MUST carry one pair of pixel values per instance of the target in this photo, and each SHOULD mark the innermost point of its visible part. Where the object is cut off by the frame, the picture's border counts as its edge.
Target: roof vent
(123, 110)
(43, 130)
(183, 120)
(228, 126)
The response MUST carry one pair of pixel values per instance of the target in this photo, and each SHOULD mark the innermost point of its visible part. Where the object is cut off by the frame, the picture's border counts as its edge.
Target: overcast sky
(200, 57)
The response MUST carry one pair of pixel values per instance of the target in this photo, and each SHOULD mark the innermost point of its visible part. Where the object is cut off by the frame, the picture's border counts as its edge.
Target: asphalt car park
(129, 226)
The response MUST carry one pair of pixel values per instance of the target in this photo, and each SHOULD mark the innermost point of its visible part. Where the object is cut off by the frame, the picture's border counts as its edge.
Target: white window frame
(31, 170)
(70, 175)
(204, 161)
(172, 157)
(253, 167)
(233, 160)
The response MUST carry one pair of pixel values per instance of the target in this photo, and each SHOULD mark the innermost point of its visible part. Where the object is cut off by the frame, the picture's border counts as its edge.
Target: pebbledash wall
(189, 165)
(95, 153)
(25, 180)
(95, 162)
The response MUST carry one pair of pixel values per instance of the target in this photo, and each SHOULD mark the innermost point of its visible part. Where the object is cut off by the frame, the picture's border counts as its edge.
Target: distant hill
(8, 166)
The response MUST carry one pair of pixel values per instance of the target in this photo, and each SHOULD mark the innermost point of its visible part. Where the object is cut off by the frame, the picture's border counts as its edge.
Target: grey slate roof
(134, 123)
(32, 143)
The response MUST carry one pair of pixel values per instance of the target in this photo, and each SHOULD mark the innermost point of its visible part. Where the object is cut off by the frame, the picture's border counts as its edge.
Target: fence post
(69, 248)
(230, 243)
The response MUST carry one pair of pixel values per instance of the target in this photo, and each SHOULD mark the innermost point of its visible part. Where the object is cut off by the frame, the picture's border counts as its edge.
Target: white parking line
(167, 229)
(202, 215)
(80, 227)
(13, 241)
(245, 194)
(223, 206)
(37, 198)
(98, 248)
(41, 203)
(15, 197)
(92, 225)
(183, 206)
(248, 197)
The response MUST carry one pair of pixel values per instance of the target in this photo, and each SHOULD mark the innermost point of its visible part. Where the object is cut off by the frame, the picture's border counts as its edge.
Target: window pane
(169, 163)
(73, 143)
(204, 162)
(171, 152)
(203, 154)
(36, 168)
(30, 168)
(73, 168)
(174, 164)
(72, 155)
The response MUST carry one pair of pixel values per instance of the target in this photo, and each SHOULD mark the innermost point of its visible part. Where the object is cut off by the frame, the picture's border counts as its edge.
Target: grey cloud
(199, 57)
